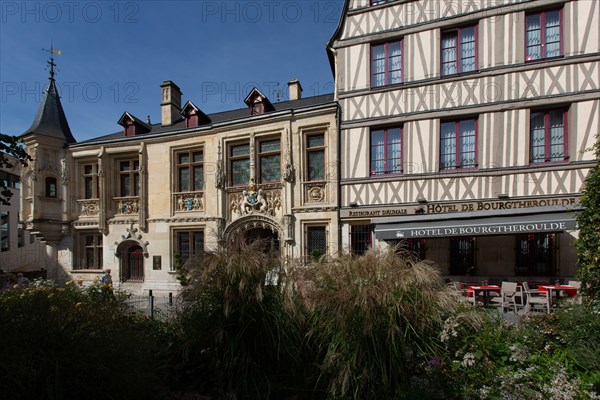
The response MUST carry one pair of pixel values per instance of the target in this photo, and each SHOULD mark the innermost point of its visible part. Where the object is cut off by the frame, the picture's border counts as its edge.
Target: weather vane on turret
(51, 63)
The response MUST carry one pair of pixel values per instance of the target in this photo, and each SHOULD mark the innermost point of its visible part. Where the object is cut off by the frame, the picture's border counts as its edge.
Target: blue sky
(115, 55)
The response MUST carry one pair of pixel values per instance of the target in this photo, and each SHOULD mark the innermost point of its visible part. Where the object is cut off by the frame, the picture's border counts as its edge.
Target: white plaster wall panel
(422, 55)
(485, 136)
(520, 143)
(584, 125)
(355, 152)
(421, 149)
(582, 27)
(511, 22)
(356, 66)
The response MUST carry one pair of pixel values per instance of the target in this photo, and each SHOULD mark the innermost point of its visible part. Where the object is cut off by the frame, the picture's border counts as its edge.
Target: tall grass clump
(237, 338)
(67, 342)
(375, 321)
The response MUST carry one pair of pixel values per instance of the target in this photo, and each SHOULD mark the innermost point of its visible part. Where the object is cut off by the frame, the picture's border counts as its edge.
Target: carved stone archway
(238, 227)
(133, 237)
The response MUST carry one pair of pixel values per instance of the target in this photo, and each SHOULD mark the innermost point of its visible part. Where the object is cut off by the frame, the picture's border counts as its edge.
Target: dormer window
(193, 116)
(258, 102)
(132, 125)
(257, 108)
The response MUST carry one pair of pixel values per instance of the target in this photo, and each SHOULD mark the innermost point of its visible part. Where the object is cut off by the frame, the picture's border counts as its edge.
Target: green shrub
(62, 342)
(588, 222)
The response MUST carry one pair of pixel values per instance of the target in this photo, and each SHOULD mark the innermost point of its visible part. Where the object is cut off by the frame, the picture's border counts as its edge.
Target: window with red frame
(386, 151)
(548, 136)
(536, 254)
(386, 63)
(543, 36)
(459, 50)
(360, 238)
(458, 144)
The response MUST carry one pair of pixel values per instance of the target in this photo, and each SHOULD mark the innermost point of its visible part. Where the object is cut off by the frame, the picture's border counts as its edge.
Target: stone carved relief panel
(185, 202)
(315, 192)
(251, 201)
(89, 208)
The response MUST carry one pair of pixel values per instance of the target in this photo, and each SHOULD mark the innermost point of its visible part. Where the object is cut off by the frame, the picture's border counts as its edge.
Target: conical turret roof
(50, 119)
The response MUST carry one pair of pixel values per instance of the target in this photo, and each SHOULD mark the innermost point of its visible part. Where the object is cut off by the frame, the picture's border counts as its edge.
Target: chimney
(171, 103)
(295, 89)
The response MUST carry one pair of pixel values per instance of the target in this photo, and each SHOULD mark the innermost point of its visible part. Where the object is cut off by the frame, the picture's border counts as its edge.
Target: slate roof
(50, 119)
(221, 117)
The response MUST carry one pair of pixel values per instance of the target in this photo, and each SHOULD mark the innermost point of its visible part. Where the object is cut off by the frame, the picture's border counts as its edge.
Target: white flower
(468, 360)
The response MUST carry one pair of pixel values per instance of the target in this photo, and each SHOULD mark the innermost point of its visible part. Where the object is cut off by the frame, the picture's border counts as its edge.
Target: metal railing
(163, 307)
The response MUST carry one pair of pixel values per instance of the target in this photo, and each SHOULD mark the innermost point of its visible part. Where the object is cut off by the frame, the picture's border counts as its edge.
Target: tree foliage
(10, 145)
(588, 243)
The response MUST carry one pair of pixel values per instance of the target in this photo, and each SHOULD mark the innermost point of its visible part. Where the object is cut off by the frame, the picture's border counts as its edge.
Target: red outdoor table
(473, 290)
(569, 290)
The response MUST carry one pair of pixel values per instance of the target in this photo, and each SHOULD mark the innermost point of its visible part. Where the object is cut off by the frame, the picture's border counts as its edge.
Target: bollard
(151, 304)
(170, 298)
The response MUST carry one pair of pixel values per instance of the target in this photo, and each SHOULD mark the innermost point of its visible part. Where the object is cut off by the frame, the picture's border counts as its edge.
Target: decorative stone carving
(133, 235)
(65, 229)
(128, 206)
(236, 228)
(219, 173)
(315, 193)
(64, 175)
(251, 201)
(189, 202)
(89, 208)
(221, 224)
(288, 169)
(288, 223)
(34, 164)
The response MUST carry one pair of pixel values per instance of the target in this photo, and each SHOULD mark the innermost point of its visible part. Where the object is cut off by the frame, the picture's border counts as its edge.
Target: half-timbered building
(464, 129)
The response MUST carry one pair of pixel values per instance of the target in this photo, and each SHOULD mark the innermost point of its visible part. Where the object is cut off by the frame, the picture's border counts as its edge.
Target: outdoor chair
(509, 293)
(535, 297)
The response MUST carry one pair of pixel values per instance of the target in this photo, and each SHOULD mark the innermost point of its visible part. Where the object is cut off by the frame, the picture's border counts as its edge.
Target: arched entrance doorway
(132, 263)
(268, 239)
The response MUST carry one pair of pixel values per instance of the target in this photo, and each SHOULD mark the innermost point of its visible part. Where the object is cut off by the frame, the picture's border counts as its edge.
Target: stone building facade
(132, 200)
(20, 251)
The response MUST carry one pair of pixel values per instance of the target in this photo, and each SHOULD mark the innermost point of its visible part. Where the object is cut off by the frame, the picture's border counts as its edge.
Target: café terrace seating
(510, 292)
(535, 298)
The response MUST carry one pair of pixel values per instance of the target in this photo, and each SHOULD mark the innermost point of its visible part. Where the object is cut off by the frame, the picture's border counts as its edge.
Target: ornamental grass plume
(236, 334)
(375, 318)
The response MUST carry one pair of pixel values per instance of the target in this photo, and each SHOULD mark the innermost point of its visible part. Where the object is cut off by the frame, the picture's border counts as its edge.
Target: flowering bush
(542, 357)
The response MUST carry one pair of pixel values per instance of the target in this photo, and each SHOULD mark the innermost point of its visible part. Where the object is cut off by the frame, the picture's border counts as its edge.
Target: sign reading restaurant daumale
(441, 208)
